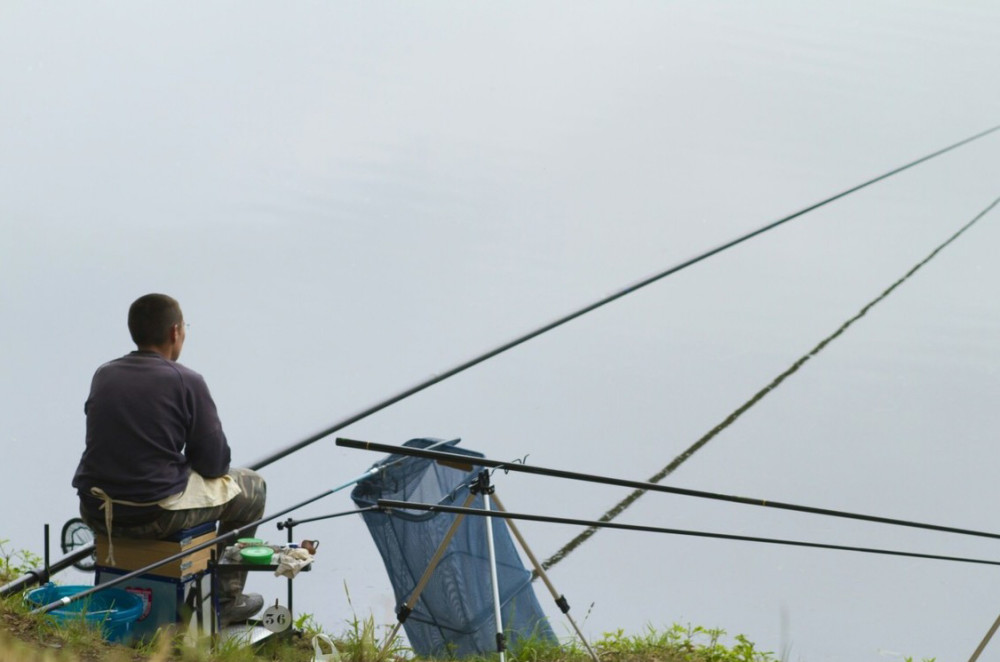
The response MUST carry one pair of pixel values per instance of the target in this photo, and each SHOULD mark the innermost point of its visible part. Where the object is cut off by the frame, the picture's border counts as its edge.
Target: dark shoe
(237, 611)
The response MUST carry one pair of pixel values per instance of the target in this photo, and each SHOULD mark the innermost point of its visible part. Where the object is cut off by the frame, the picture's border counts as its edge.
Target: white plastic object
(319, 655)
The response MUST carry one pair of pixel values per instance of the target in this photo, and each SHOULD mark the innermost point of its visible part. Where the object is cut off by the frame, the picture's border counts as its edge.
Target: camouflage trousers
(243, 509)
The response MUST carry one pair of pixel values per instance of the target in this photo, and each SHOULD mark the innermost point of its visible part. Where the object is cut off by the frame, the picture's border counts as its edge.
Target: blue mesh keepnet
(454, 615)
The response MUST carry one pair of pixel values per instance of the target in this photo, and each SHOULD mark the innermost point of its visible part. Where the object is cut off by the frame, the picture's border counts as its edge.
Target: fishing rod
(231, 535)
(228, 536)
(292, 523)
(43, 574)
(364, 413)
(388, 505)
(40, 575)
(439, 377)
(729, 420)
(652, 487)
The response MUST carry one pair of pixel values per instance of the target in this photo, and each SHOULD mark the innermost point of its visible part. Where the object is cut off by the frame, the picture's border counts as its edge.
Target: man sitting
(156, 459)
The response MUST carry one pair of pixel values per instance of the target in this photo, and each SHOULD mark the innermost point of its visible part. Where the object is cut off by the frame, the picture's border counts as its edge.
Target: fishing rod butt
(453, 460)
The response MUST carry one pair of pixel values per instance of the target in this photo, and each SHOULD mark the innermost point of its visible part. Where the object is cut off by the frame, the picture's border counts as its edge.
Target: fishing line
(364, 413)
(518, 467)
(757, 397)
(388, 505)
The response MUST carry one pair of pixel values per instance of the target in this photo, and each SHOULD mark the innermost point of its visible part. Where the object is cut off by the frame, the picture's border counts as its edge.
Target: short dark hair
(150, 318)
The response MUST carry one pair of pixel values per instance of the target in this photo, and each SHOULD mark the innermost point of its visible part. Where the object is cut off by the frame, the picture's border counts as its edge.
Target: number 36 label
(277, 618)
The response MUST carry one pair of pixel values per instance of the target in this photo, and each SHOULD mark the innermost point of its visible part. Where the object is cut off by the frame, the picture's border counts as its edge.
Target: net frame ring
(76, 534)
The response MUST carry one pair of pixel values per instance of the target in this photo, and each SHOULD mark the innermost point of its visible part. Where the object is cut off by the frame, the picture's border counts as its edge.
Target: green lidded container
(257, 555)
(250, 542)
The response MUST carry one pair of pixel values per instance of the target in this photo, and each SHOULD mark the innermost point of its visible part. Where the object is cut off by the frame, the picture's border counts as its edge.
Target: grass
(29, 638)
(15, 563)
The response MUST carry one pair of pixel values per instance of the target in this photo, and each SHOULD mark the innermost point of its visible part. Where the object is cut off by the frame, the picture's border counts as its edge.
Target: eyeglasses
(184, 324)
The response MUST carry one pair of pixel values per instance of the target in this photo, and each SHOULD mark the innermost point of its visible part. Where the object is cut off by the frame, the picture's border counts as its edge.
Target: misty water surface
(348, 198)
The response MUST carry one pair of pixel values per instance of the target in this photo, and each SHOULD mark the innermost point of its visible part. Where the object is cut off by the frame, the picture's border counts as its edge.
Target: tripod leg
(404, 611)
(986, 640)
(560, 599)
(493, 577)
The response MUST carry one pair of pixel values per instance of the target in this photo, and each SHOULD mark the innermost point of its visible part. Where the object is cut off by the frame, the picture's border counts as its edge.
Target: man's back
(150, 421)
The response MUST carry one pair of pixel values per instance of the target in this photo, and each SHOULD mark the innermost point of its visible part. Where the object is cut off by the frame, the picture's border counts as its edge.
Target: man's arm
(206, 449)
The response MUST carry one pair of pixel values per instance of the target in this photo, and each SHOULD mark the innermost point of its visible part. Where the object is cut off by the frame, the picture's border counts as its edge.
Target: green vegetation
(15, 564)
(74, 645)
(28, 638)
(679, 643)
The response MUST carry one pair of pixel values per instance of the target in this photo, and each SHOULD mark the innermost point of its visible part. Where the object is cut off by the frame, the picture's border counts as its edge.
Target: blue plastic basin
(111, 609)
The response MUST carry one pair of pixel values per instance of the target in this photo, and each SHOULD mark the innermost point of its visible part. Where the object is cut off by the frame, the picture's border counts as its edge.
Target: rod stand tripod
(482, 485)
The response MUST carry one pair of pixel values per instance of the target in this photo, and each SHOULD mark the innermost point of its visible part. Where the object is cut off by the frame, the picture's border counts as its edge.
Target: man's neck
(162, 350)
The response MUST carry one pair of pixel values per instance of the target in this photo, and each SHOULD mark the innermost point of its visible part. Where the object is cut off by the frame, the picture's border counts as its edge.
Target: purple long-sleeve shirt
(150, 421)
